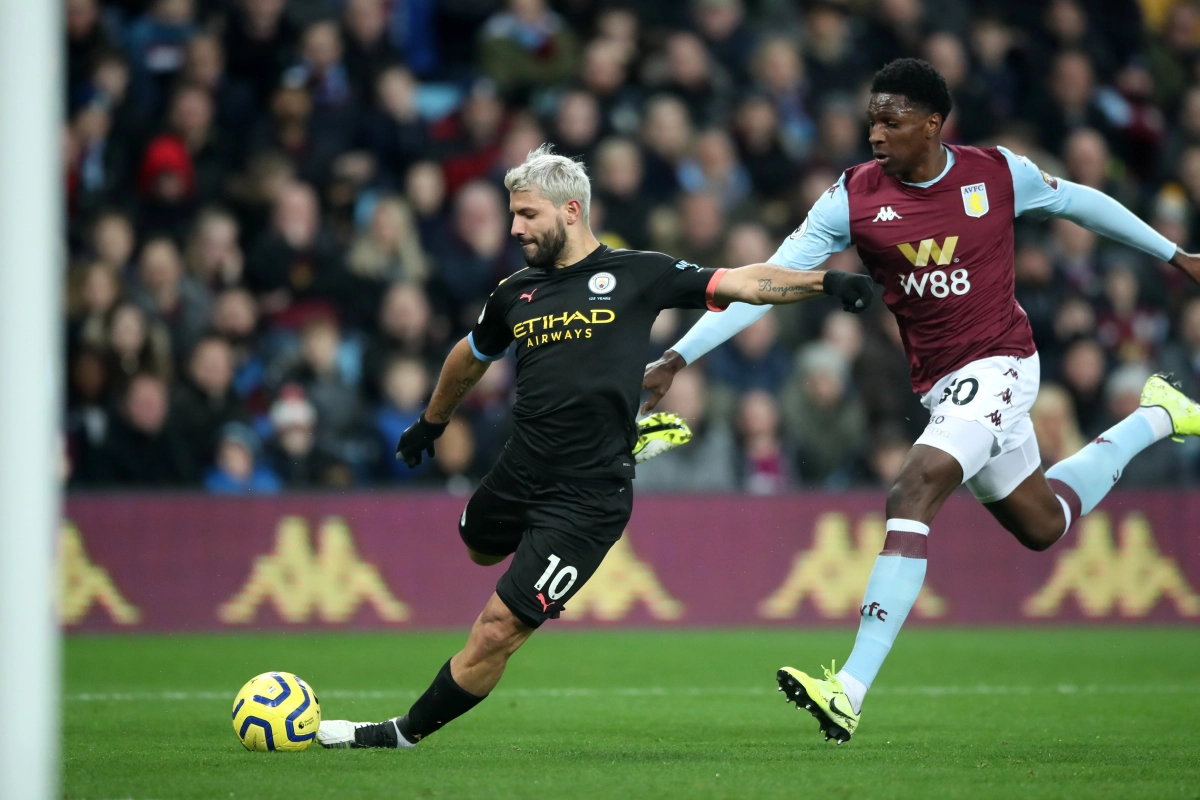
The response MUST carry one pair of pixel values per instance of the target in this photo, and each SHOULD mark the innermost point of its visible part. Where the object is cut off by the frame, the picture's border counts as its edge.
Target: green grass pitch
(1024, 714)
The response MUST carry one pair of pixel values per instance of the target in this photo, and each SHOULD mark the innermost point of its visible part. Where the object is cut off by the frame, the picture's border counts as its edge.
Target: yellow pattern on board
(333, 581)
(81, 583)
(1131, 577)
(620, 583)
(834, 572)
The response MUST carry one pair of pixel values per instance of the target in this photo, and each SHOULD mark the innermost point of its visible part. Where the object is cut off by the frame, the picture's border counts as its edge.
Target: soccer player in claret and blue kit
(933, 224)
(577, 320)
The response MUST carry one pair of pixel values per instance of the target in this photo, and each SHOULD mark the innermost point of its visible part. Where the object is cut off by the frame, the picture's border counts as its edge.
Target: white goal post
(31, 370)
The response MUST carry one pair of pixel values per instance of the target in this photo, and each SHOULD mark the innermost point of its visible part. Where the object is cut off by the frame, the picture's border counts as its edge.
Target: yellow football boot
(659, 433)
(824, 699)
(1184, 411)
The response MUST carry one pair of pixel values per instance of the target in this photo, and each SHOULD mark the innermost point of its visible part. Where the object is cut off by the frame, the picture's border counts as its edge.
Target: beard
(549, 248)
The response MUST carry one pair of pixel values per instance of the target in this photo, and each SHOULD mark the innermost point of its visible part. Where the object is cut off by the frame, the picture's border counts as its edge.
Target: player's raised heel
(1160, 390)
(824, 699)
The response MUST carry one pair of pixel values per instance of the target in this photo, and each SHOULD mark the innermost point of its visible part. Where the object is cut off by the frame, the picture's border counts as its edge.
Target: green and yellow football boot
(1184, 411)
(659, 433)
(824, 699)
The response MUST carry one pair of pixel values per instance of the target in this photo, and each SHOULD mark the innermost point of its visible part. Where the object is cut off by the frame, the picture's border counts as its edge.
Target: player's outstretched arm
(766, 284)
(461, 371)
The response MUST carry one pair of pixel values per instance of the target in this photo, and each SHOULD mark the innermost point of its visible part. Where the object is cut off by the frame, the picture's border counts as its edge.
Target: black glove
(418, 438)
(854, 290)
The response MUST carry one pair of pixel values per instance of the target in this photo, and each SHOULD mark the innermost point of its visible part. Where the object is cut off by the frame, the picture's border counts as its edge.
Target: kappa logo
(995, 417)
(1005, 395)
(83, 584)
(602, 283)
(975, 199)
(1125, 573)
(528, 296)
(886, 214)
(919, 256)
(300, 583)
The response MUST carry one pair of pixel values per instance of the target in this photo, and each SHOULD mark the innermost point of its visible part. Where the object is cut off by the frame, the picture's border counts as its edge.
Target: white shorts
(980, 415)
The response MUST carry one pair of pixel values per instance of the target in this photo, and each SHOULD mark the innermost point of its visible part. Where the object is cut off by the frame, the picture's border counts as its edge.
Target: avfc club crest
(975, 201)
(602, 283)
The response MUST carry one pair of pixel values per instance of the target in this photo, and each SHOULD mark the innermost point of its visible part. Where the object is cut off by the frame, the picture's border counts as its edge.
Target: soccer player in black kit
(578, 318)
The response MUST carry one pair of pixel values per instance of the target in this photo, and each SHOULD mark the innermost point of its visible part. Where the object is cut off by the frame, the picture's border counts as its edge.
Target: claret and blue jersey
(942, 250)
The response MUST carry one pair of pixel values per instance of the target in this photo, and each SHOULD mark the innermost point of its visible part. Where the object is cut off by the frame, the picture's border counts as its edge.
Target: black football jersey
(580, 336)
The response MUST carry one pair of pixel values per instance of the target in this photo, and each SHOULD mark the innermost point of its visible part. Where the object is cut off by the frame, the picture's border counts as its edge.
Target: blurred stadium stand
(282, 215)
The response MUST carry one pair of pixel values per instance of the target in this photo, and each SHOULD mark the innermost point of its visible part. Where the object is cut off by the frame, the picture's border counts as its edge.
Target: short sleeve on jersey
(490, 337)
(682, 284)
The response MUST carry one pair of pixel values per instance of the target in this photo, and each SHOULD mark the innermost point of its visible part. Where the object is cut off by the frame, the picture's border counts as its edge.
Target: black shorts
(559, 532)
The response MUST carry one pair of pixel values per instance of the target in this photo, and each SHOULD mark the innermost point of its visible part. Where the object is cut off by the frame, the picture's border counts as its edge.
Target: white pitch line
(713, 691)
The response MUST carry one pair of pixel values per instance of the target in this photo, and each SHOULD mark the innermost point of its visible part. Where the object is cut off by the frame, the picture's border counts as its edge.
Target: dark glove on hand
(854, 290)
(418, 438)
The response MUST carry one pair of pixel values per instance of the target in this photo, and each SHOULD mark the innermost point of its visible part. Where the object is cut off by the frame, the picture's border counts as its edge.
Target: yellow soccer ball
(276, 711)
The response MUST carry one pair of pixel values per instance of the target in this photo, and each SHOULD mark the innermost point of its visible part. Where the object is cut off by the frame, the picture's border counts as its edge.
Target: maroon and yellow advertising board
(381, 560)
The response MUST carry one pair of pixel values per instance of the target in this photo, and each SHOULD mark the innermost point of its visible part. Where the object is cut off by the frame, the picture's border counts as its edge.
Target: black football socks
(442, 702)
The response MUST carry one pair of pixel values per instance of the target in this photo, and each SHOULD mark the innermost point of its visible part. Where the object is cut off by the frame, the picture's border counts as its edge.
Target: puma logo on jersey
(529, 295)
(886, 214)
(919, 256)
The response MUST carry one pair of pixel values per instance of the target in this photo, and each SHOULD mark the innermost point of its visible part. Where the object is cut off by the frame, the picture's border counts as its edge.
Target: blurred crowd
(283, 213)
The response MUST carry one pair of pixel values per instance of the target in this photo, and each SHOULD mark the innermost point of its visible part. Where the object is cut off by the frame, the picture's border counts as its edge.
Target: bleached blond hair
(556, 178)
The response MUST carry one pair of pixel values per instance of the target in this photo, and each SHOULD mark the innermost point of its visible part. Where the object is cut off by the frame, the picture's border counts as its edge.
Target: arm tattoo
(765, 285)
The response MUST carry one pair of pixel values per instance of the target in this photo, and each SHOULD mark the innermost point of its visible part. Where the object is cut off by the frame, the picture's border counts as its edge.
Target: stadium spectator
(454, 457)
(214, 253)
(405, 386)
(1083, 368)
(708, 463)
(753, 360)
(713, 168)
(477, 255)
(368, 48)
(235, 319)
(235, 100)
(760, 148)
(1054, 423)
(296, 268)
(780, 74)
(605, 75)
(617, 186)
(394, 131)
(175, 298)
(666, 136)
(156, 43)
(238, 469)
(389, 249)
(527, 46)
(134, 345)
(292, 451)
(824, 418)
(97, 290)
(259, 42)
(192, 120)
(405, 330)
(888, 451)
(764, 464)
(576, 125)
(341, 423)
(142, 448)
(203, 400)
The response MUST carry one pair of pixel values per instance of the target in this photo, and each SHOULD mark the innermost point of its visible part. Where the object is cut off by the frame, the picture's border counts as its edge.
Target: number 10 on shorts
(562, 581)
